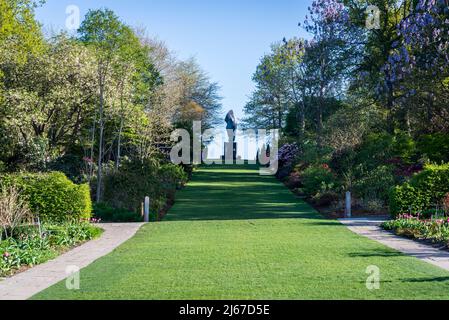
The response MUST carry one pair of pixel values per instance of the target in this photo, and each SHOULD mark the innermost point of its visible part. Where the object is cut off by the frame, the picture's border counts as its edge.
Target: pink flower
(6, 255)
(88, 160)
(95, 220)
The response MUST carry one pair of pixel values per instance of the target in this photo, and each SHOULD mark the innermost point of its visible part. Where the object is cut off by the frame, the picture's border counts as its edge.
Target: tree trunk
(320, 118)
(302, 118)
(280, 119)
(429, 113)
(320, 125)
(408, 122)
(94, 128)
(119, 142)
(390, 100)
(100, 145)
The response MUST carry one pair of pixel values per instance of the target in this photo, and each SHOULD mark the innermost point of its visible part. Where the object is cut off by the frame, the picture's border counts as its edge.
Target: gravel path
(370, 228)
(26, 284)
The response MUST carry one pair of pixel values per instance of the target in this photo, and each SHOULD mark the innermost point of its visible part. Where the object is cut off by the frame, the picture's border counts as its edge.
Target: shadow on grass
(327, 223)
(237, 193)
(424, 280)
(376, 253)
(422, 253)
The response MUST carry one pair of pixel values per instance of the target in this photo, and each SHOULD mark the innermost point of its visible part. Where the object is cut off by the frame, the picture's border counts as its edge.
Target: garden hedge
(422, 192)
(52, 196)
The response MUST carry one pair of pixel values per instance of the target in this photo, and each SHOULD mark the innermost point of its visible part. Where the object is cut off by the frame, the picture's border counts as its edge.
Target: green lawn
(236, 235)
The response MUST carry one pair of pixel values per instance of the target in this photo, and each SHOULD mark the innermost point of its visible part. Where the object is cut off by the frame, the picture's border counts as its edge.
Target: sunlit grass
(236, 235)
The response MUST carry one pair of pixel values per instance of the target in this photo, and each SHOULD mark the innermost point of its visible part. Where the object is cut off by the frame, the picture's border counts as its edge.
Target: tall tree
(270, 101)
(20, 33)
(290, 55)
(136, 77)
(106, 34)
(329, 55)
(50, 96)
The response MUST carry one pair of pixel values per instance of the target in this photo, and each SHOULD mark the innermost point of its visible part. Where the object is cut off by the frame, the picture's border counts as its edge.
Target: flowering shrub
(287, 156)
(436, 230)
(288, 153)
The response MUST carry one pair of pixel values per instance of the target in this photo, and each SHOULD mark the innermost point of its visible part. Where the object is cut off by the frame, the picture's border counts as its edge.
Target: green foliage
(38, 126)
(52, 196)
(291, 128)
(103, 29)
(318, 179)
(424, 190)
(375, 184)
(30, 248)
(69, 234)
(404, 147)
(71, 165)
(172, 177)
(20, 33)
(17, 253)
(406, 198)
(375, 149)
(128, 187)
(58, 93)
(107, 213)
(433, 182)
(435, 147)
(312, 154)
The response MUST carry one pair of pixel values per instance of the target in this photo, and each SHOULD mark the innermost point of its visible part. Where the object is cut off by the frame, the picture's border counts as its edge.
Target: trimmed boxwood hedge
(423, 191)
(52, 195)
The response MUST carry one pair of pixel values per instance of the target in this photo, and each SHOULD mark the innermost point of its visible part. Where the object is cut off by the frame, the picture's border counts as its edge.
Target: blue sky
(227, 37)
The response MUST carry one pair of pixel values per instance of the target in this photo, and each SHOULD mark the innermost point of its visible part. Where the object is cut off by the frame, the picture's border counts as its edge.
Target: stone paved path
(370, 228)
(26, 284)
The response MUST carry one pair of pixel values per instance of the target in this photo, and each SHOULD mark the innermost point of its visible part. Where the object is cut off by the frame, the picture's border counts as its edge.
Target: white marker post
(147, 209)
(348, 210)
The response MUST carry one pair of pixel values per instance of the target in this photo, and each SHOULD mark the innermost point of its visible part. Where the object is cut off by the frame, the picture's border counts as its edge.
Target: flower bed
(435, 230)
(31, 247)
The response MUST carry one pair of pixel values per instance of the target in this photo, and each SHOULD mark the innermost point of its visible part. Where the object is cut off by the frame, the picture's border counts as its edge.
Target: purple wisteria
(327, 11)
(424, 42)
(288, 153)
